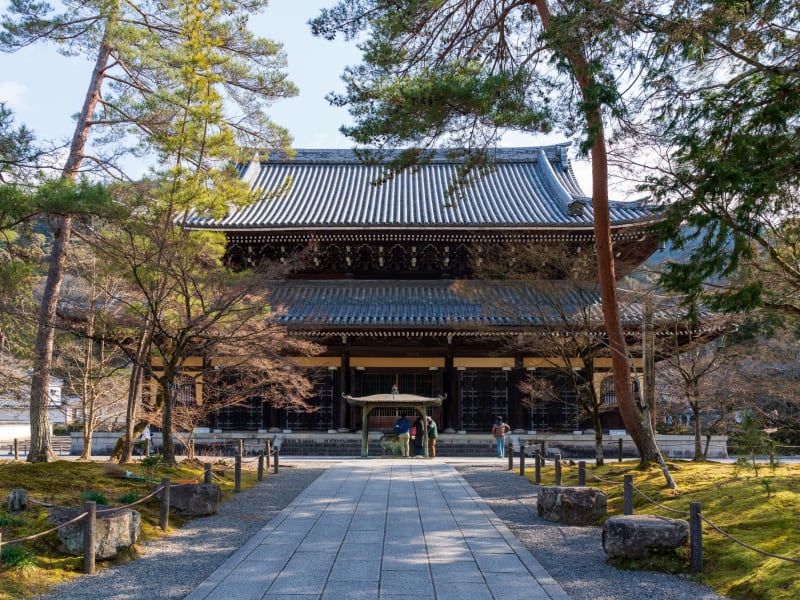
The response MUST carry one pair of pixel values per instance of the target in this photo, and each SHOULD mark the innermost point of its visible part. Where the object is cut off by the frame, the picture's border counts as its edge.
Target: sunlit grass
(760, 510)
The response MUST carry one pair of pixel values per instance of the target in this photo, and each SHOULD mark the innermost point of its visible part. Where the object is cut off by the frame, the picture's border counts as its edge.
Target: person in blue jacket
(403, 428)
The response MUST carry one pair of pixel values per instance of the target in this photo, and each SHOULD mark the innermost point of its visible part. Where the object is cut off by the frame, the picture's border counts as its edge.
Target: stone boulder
(114, 531)
(17, 500)
(194, 500)
(639, 536)
(571, 505)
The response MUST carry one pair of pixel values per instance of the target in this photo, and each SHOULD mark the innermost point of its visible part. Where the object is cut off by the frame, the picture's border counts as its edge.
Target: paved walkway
(380, 529)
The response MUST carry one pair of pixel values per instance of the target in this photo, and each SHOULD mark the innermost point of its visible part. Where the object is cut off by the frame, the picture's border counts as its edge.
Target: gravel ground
(574, 556)
(171, 567)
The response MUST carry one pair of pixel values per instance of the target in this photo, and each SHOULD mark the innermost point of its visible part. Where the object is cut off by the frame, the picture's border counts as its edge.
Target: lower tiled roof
(477, 306)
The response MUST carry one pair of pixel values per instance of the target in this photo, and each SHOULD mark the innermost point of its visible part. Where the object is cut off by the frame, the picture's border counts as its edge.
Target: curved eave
(404, 400)
(525, 228)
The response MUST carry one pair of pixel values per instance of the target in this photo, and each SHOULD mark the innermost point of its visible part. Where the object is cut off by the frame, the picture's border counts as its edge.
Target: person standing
(499, 431)
(433, 433)
(419, 438)
(402, 428)
(146, 441)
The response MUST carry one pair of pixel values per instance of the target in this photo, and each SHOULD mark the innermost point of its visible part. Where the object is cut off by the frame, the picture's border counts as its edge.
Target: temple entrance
(426, 383)
(484, 396)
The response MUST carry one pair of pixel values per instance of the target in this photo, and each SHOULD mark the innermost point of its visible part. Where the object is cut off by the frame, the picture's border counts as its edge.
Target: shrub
(151, 463)
(17, 556)
(96, 497)
(9, 521)
(128, 498)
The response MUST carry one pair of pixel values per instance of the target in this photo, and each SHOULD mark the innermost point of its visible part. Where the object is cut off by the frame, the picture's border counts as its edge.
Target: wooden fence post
(16, 449)
(241, 447)
(267, 452)
(237, 473)
(581, 472)
(619, 459)
(89, 534)
(522, 460)
(207, 473)
(260, 466)
(696, 537)
(627, 496)
(277, 460)
(538, 469)
(163, 513)
(510, 458)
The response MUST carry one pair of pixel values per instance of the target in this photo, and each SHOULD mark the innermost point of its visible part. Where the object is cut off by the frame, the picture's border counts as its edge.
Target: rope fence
(694, 514)
(89, 516)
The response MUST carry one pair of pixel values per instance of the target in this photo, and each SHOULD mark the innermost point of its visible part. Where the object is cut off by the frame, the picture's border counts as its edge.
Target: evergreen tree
(139, 55)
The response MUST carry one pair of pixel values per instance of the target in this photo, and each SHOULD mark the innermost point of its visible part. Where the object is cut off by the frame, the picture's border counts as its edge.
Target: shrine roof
(334, 189)
(476, 307)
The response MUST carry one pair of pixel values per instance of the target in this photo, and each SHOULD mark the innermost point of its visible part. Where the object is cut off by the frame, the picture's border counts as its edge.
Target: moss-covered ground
(29, 569)
(759, 507)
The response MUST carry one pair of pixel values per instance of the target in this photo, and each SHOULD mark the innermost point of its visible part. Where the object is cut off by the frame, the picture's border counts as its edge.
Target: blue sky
(45, 89)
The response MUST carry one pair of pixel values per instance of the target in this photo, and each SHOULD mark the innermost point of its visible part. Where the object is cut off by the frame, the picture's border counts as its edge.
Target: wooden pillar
(450, 408)
(344, 388)
(454, 401)
(365, 431)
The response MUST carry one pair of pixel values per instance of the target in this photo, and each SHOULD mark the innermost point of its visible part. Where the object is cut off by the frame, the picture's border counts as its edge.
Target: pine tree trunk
(41, 443)
(631, 416)
(41, 449)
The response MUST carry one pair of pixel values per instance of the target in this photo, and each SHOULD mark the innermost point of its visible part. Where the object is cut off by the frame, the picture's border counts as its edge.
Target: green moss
(66, 483)
(763, 514)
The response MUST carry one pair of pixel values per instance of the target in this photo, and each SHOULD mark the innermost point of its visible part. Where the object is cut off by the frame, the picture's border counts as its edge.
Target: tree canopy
(729, 75)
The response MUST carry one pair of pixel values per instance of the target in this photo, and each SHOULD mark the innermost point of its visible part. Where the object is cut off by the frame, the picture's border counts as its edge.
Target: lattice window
(608, 394)
(183, 389)
(484, 396)
(323, 400)
(249, 417)
(569, 407)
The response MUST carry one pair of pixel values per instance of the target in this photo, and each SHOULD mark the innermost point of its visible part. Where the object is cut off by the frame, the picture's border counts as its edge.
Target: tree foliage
(729, 187)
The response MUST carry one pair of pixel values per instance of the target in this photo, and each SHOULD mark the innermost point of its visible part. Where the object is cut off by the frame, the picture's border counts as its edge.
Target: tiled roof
(525, 188)
(477, 307)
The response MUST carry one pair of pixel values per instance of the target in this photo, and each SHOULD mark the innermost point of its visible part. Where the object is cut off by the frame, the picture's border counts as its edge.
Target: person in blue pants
(499, 431)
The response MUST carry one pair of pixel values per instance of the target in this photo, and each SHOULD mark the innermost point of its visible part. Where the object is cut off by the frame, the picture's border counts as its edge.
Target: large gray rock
(17, 500)
(114, 531)
(194, 500)
(639, 536)
(571, 505)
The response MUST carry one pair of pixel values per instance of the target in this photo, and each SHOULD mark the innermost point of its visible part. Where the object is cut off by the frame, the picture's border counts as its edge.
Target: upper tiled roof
(470, 306)
(526, 188)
